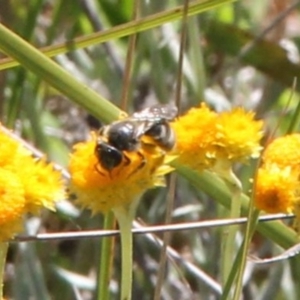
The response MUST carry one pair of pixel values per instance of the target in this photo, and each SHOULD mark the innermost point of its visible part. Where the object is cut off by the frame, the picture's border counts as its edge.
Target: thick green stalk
(212, 185)
(3, 252)
(125, 216)
(251, 225)
(237, 266)
(231, 231)
(127, 29)
(56, 76)
(125, 223)
(107, 245)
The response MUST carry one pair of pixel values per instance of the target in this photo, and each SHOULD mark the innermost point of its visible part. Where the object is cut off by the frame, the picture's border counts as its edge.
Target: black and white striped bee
(126, 134)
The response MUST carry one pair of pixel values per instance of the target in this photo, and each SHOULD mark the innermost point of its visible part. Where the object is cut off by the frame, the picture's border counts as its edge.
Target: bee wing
(142, 127)
(156, 112)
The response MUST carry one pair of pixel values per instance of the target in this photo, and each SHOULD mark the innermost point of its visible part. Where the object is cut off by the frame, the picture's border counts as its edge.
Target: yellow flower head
(238, 135)
(12, 204)
(208, 140)
(42, 184)
(26, 185)
(196, 132)
(12, 152)
(276, 189)
(101, 190)
(284, 151)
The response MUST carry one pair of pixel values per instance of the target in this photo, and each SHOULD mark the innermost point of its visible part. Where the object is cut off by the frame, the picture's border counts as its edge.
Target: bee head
(108, 156)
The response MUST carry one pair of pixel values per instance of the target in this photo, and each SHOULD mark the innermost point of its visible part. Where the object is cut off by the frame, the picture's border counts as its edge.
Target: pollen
(101, 190)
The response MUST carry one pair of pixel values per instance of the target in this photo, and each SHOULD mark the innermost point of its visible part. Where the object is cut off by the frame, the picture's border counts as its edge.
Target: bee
(156, 125)
(125, 135)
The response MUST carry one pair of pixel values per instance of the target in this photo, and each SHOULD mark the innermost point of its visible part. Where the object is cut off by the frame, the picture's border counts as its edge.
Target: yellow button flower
(238, 135)
(102, 183)
(101, 190)
(283, 151)
(196, 132)
(26, 185)
(12, 152)
(42, 184)
(277, 184)
(12, 204)
(206, 140)
(276, 189)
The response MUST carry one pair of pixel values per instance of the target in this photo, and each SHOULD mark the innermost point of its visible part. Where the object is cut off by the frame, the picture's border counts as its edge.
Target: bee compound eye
(109, 157)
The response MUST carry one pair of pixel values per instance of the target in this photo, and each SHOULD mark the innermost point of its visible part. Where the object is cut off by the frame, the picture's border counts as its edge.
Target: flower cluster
(206, 140)
(277, 183)
(26, 185)
(101, 190)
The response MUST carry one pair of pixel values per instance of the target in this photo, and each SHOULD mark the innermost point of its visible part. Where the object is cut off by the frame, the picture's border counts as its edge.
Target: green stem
(211, 184)
(235, 210)
(107, 245)
(3, 252)
(125, 216)
(253, 215)
(124, 30)
(236, 266)
(251, 225)
(43, 67)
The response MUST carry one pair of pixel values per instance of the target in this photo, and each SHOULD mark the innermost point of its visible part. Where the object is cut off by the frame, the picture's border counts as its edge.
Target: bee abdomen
(163, 135)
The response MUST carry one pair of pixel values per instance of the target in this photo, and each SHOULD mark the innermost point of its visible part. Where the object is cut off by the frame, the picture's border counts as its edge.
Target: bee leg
(126, 162)
(102, 173)
(127, 159)
(97, 169)
(141, 165)
(143, 160)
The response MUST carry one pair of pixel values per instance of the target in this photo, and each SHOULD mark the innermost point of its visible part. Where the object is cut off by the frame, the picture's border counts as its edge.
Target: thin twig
(276, 21)
(129, 60)
(172, 186)
(181, 54)
(161, 228)
(166, 238)
(175, 256)
(91, 11)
